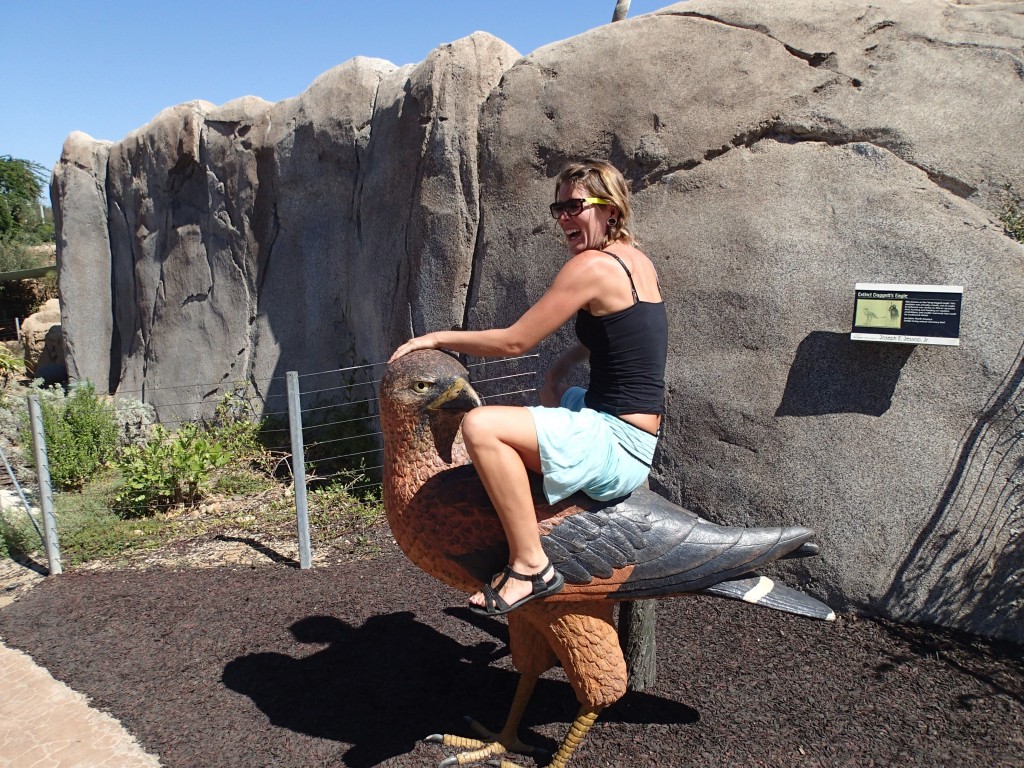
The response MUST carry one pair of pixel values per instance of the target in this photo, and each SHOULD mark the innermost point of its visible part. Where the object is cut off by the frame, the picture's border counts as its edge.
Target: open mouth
(573, 235)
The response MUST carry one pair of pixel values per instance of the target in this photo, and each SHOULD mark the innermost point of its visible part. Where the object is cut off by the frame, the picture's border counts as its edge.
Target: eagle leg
(577, 731)
(491, 743)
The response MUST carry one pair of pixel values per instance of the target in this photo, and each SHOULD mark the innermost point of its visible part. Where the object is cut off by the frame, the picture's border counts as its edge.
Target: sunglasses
(574, 205)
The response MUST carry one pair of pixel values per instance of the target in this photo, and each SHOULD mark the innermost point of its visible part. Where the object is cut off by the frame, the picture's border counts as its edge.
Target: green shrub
(182, 467)
(81, 434)
(172, 468)
(18, 255)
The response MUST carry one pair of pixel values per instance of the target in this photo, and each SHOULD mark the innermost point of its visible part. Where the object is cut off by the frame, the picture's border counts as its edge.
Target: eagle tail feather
(760, 590)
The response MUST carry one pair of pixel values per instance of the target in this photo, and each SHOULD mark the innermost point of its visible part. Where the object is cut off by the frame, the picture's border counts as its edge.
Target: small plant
(1013, 218)
(242, 481)
(338, 516)
(338, 498)
(235, 424)
(17, 538)
(173, 468)
(11, 365)
(183, 467)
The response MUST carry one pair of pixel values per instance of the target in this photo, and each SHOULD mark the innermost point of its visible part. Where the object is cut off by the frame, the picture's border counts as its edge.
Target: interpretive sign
(907, 314)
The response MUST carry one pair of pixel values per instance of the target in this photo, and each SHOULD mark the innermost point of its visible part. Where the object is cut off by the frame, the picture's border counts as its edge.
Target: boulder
(778, 153)
(778, 157)
(42, 338)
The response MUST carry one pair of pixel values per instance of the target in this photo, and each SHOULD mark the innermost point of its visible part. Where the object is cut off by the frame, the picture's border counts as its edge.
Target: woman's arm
(575, 286)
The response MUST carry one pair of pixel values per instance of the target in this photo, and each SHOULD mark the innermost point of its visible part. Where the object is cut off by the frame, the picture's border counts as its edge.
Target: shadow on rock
(832, 374)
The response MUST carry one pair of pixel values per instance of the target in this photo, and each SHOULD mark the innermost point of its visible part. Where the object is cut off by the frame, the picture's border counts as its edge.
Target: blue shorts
(586, 450)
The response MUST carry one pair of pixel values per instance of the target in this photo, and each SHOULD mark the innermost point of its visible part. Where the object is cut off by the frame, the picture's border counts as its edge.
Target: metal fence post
(35, 413)
(299, 469)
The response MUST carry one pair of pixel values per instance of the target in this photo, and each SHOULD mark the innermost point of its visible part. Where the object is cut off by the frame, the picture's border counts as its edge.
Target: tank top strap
(636, 297)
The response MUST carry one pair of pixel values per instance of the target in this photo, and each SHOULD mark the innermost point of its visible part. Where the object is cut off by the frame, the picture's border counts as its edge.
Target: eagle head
(423, 397)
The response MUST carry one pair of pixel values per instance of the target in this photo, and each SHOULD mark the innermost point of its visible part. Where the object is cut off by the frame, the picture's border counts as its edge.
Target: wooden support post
(637, 638)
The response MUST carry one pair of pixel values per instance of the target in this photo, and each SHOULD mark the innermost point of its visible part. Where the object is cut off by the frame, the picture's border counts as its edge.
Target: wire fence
(338, 409)
(21, 500)
(318, 428)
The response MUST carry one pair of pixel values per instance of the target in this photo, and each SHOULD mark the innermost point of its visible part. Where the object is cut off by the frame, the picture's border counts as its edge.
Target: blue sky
(107, 67)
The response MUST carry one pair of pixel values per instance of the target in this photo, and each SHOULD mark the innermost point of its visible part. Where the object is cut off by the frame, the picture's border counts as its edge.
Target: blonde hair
(602, 179)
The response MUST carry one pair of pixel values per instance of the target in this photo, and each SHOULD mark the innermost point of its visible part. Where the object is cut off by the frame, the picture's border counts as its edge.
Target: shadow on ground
(428, 680)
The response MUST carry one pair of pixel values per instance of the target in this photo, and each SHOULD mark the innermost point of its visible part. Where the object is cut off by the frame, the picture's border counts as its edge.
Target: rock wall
(218, 244)
(778, 154)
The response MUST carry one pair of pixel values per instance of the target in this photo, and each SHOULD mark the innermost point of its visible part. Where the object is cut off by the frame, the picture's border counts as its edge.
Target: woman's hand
(553, 389)
(551, 393)
(427, 341)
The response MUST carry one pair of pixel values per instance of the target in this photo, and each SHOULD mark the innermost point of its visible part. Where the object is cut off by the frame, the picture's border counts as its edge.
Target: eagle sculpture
(641, 546)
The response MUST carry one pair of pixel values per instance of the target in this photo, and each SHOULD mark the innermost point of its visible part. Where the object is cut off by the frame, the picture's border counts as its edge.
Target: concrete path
(45, 724)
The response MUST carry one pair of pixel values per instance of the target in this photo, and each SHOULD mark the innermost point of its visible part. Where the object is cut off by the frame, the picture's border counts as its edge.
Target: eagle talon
(474, 755)
(475, 750)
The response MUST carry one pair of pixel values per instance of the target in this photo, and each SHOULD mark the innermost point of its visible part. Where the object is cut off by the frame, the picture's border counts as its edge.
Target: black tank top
(628, 349)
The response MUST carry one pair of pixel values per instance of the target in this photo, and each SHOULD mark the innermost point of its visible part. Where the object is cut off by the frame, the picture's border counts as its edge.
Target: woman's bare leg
(502, 442)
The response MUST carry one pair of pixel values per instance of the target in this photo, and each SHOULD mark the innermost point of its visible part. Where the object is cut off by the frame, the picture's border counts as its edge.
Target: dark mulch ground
(351, 665)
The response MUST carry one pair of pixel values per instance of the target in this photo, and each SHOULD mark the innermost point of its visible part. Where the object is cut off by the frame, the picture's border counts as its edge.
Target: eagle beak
(460, 396)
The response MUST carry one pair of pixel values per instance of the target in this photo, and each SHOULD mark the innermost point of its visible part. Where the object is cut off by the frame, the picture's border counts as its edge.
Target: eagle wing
(644, 546)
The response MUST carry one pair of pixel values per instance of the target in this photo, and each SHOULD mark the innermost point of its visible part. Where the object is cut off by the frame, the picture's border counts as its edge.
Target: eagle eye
(421, 387)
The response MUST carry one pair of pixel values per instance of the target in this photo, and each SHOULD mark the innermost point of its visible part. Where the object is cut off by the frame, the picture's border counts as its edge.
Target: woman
(600, 440)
